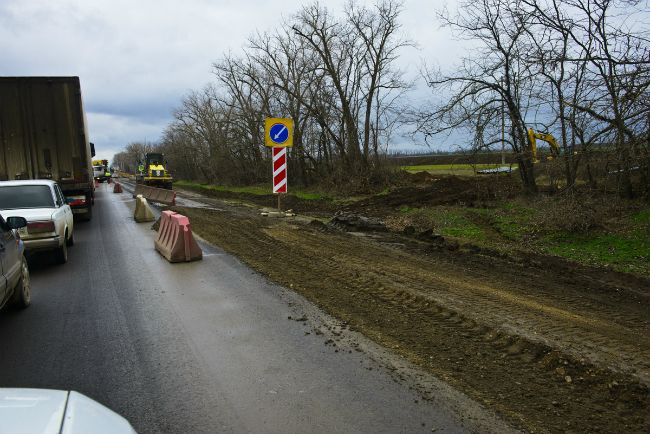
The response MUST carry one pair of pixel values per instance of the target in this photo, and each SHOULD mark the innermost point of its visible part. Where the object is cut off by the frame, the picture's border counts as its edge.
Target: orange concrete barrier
(165, 223)
(175, 240)
(117, 188)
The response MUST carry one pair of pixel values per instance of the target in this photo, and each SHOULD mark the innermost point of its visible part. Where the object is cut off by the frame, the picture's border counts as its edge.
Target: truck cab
(101, 171)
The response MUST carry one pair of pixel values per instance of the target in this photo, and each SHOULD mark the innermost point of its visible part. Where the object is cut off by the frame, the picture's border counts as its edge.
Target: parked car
(50, 222)
(14, 274)
(57, 412)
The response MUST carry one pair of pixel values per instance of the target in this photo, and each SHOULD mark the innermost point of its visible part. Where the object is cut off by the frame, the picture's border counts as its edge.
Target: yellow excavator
(548, 138)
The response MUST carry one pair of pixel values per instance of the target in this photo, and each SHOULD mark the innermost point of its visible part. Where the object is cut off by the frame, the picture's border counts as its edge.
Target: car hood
(30, 214)
(57, 411)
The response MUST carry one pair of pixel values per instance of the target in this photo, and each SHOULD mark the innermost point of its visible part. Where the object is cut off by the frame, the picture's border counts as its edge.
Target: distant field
(452, 169)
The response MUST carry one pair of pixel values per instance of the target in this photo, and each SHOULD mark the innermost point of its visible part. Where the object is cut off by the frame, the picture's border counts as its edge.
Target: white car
(14, 273)
(37, 411)
(50, 223)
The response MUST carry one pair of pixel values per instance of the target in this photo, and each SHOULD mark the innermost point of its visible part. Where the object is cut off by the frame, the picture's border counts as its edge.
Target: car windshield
(25, 196)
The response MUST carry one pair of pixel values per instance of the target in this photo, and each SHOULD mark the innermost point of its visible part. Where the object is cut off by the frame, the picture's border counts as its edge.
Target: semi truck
(101, 170)
(43, 135)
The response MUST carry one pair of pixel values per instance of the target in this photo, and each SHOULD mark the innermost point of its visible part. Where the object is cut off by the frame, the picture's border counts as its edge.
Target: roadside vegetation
(601, 234)
(577, 70)
(590, 227)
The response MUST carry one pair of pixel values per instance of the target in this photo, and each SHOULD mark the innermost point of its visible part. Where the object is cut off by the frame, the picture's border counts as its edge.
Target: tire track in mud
(535, 354)
(552, 322)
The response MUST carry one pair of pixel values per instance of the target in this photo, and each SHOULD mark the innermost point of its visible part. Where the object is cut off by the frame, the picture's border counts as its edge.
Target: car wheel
(23, 291)
(62, 253)
(70, 240)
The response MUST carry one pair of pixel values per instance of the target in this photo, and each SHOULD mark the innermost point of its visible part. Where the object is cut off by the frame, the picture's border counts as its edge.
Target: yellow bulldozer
(152, 172)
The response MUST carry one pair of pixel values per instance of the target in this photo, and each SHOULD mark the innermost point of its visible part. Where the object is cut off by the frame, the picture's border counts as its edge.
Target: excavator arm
(548, 138)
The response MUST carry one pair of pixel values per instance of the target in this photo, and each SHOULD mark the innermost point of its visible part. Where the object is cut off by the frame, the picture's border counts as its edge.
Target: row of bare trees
(579, 69)
(335, 77)
(134, 153)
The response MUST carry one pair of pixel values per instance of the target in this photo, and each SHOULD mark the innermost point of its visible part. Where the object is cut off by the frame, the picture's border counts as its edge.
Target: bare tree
(335, 77)
(617, 66)
(493, 77)
(356, 58)
(573, 66)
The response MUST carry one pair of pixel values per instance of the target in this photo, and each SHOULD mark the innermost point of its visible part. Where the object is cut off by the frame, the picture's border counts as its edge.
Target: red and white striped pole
(279, 171)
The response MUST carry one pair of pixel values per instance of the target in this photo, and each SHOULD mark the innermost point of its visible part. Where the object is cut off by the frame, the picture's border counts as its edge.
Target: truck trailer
(43, 135)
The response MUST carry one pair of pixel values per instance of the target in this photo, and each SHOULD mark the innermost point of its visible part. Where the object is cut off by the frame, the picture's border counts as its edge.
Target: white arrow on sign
(277, 136)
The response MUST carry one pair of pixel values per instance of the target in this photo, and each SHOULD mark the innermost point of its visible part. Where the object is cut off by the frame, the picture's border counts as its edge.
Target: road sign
(279, 169)
(278, 132)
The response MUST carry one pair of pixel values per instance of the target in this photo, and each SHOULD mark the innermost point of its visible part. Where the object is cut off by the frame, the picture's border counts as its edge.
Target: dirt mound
(354, 222)
(440, 190)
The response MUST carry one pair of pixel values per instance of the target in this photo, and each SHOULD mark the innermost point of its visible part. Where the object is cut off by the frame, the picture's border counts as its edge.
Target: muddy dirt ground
(550, 345)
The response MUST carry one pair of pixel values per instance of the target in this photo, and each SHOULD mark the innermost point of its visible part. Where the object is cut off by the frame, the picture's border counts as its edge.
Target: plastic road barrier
(175, 240)
(142, 212)
(153, 194)
(117, 187)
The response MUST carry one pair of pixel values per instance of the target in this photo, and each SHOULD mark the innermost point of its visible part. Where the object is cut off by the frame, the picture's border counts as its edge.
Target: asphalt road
(196, 347)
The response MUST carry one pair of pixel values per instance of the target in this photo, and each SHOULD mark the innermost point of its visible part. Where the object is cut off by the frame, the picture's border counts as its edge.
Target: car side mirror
(16, 222)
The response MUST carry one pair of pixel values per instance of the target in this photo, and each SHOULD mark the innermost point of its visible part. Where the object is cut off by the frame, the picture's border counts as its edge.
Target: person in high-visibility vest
(141, 168)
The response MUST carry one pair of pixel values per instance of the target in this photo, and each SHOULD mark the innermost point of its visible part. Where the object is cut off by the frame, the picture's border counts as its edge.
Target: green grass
(512, 220)
(642, 217)
(623, 253)
(448, 221)
(259, 190)
(254, 189)
(306, 195)
(455, 169)
(515, 225)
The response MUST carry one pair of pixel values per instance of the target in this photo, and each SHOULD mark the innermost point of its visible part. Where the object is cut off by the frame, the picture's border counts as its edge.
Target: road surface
(207, 346)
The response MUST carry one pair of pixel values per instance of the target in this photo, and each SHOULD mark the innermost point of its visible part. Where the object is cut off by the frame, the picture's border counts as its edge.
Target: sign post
(278, 134)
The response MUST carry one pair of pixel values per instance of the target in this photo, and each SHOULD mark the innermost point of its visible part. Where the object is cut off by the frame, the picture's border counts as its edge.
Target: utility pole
(503, 130)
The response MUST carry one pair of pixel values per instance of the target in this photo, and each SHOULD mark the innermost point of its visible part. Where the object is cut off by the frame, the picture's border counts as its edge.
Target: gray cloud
(137, 59)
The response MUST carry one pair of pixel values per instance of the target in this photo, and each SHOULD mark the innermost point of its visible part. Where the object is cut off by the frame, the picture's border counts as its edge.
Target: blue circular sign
(279, 133)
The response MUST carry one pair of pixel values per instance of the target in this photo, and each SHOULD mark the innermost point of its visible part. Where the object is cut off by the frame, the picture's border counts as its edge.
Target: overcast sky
(136, 59)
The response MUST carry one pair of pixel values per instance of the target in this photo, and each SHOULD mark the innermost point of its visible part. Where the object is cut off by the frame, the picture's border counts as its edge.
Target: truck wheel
(89, 214)
(22, 296)
(62, 253)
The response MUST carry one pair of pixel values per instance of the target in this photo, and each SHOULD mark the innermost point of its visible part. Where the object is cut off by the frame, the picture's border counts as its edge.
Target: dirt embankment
(550, 345)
